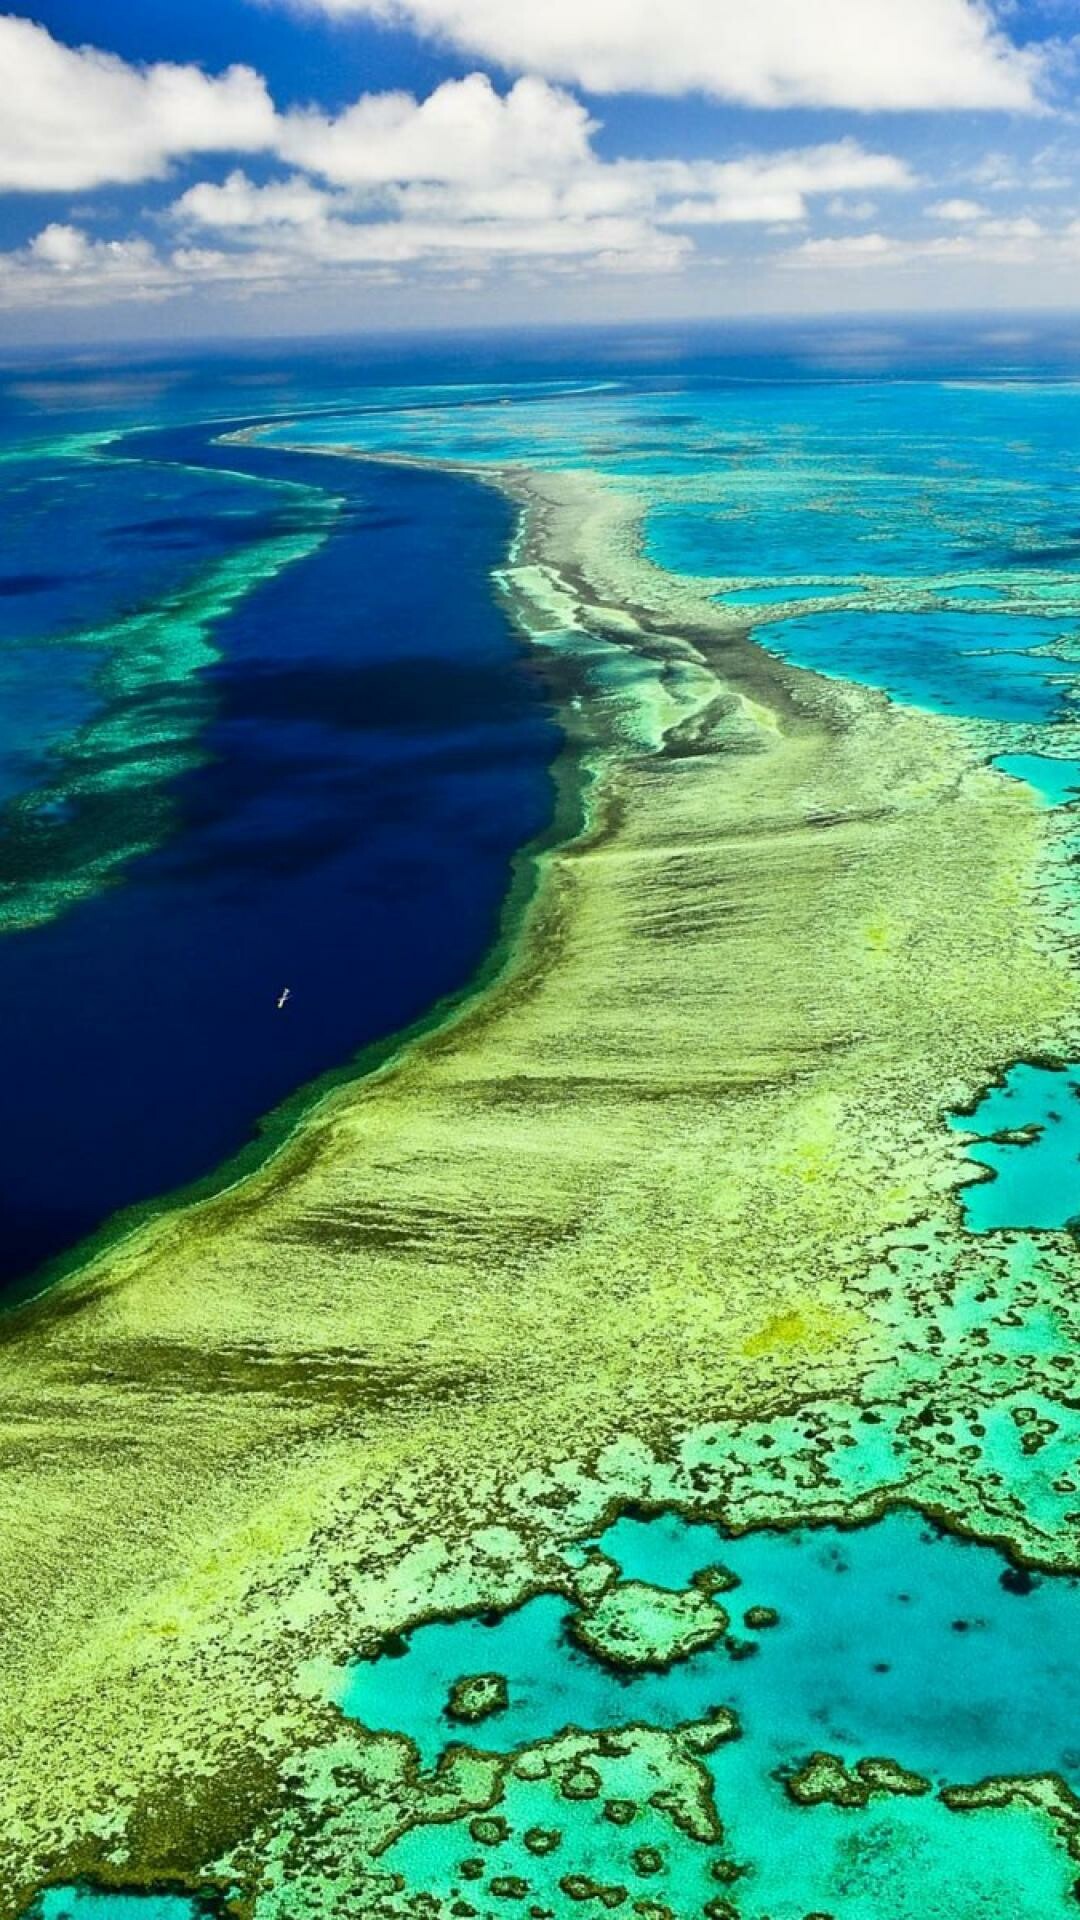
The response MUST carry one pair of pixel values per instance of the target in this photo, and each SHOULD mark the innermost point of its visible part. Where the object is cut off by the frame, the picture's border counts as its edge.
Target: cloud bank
(490, 186)
(871, 55)
(468, 175)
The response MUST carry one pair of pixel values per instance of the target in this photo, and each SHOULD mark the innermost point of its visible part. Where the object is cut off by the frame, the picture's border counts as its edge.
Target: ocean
(321, 785)
(266, 726)
(274, 753)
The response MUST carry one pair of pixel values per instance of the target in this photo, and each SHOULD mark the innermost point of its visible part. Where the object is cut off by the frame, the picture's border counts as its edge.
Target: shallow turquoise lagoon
(83, 1903)
(980, 664)
(1036, 1179)
(784, 595)
(865, 1618)
(898, 1860)
(551, 1684)
(783, 518)
(1057, 782)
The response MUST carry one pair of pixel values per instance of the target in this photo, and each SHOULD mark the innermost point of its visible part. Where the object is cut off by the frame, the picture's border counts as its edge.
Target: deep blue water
(379, 749)
(374, 740)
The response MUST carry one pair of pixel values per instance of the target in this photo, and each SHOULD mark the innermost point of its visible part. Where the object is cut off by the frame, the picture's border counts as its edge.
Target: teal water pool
(894, 1641)
(86, 1903)
(979, 664)
(784, 594)
(794, 1768)
(865, 1618)
(1035, 1160)
(1056, 781)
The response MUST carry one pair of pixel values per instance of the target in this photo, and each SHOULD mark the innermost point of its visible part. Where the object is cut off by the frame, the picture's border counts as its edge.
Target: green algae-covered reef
(668, 1214)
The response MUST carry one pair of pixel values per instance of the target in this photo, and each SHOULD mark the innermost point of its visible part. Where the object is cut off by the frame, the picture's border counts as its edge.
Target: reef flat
(668, 1214)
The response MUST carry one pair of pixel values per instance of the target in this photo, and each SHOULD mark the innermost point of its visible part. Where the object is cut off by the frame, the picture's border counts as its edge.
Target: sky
(190, 168)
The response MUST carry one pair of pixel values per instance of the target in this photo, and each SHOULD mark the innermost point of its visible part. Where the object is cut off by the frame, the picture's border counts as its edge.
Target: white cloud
(1020, 242)
(470, 176)
(957, 212)
(776, 186)
(866, 54)
(841, 208)
(426, 211)
(463, 131)
(60, 246)
(995, 173)
(74, 118)
(239, 205)
(1051, 170)
(844, 249)
(63, 263)
(505, 176)
(406, 178)
(68, 250)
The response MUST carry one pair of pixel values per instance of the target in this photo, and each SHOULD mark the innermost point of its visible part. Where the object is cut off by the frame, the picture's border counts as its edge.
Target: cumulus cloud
(776, 187)
(63, 263)
(865, 54)
(463, 131)
(433, 214)
(238, 205)
(493, 172)
(76, 118)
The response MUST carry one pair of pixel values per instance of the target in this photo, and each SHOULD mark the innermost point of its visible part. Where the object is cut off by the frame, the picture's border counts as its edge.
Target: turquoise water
(1036, 1179)
(1057, 782)
(783, 595)
(948, 511)
(899, 1860)
(551, 1683)
(864, 1617)
(83, 1903)
(980, 665)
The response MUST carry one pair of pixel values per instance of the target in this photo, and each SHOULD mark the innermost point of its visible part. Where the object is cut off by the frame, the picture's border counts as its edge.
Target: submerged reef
(667, 1218)
(102, 794)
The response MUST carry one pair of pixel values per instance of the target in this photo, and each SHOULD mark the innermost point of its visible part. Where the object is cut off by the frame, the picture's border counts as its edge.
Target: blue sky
(185, 167)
